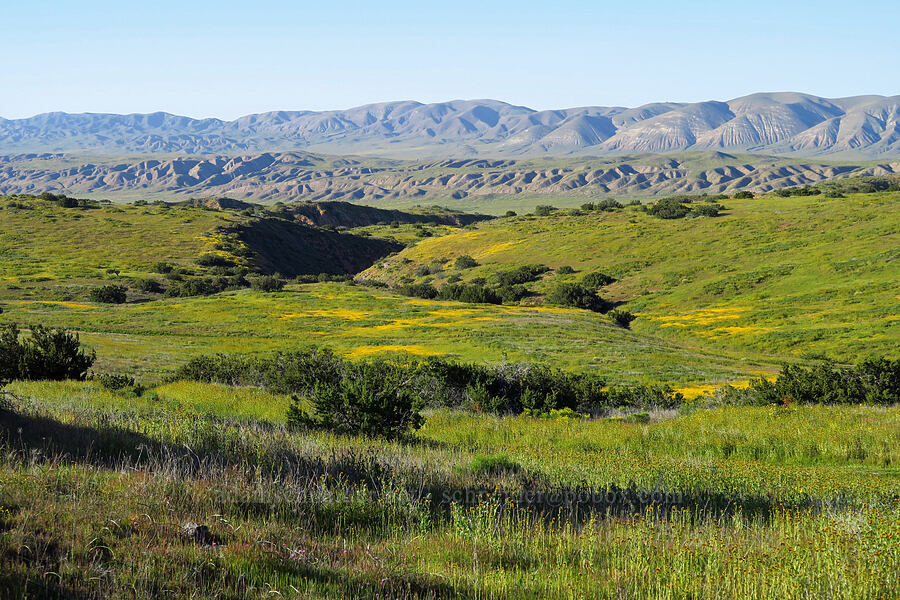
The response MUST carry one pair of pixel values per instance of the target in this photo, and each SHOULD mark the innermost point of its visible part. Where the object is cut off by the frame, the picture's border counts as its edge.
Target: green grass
(791, 277)
(789, 502)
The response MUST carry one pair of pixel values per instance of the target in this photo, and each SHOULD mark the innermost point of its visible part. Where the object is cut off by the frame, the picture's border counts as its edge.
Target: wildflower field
(786, 502)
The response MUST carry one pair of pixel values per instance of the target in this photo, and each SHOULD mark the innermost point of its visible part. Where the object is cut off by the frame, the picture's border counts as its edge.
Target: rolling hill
(471, 184)
(771, 123)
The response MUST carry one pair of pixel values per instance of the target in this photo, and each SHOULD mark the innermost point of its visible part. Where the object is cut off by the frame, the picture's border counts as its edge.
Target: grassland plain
(785, 276)
(96, 489)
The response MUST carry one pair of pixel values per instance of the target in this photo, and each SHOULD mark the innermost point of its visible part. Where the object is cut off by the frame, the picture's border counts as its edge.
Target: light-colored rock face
(301, 176)
(777, 123)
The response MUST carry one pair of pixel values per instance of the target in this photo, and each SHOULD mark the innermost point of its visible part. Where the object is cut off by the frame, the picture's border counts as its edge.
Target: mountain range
(782, 124)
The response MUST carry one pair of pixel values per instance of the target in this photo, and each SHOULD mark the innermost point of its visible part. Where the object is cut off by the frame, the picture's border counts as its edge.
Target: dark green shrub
(267, 283)
(114, 381)
(512, 293)
(150, 286)
(669, 208)
(471, 293)
(544, 210)
(370, 398)
(110, 294)
(53, 354)
(588, 206)
(163, 267)
(510, 213)
(565, 270)
(608, 204)
(519, 275)
(214, 260)
(423, 233)
(465, 262)
(743, 195)
(596, 280)
(418, 290)
(576, 295)
(622, 318)
(707, 210)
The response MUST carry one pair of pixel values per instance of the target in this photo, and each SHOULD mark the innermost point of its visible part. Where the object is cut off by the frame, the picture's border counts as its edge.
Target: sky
(226, 59)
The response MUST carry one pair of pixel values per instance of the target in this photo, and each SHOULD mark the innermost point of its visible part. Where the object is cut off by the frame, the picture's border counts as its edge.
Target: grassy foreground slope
(798, 276)
(100, 497)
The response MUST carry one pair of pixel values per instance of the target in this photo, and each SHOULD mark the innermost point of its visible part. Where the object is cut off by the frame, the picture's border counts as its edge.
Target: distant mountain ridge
(787, 123)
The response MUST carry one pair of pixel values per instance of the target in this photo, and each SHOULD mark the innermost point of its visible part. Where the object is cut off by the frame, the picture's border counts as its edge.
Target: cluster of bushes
(459, 292)
(608, 204)
(798, 191)
(519, 275)
(676, 207)
(384, 398)
(872, 381)
(577, 295)
(109, 294)
(53, 354)
(67, 202)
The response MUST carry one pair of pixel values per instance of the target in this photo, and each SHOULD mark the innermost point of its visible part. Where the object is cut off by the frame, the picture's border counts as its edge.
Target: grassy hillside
(798, 276)
(149, 337)
(101, 496)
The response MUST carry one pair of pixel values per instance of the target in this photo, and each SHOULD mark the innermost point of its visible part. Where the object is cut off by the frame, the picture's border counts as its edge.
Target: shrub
(465, 262)
(872, 381)
(370, 398)
(109, 294)
(544, 210)
(669, 208)
(608, 204)
(267, 283)
(565, 270)
(150, 286)
(520, 275)
(476, 294)
(418, 290)
(114, 381)
(707, 210)
(214, 260)
(53, 354)
(423, 233)
(163, 268)
(510, 213)
(511, 293)
(596, 280)
(622, 318)
(743, 195)
(576, 296)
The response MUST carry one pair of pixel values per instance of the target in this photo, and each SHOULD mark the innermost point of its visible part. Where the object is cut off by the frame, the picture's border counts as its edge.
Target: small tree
(596, 280)
(576, 296)
(544, 210)
(371, 398)
(465, 262)
(110, 294)
(267, 283)
(53, 354)
(622, 318)
(743, 195)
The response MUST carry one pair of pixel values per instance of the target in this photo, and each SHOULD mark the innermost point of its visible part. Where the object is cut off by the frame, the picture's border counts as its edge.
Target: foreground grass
(725, 503)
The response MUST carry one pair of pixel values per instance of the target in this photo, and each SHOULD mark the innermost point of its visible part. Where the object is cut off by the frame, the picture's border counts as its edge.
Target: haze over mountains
(786, 124)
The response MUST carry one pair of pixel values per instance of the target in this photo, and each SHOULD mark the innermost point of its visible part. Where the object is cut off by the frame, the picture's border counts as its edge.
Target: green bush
(110, 294)
(510, 294)
(163, 267)
(267, 283)
(214, 260)
(465, 262)
(418, 290)
(544, 210)
(370, 398)
(622, 318)
(510, 213)
(596, 280)
(576, 295)
(53, 354)
(565, 270)
(476, 294)
(707, 210)
(519, 275)
(743, 195)
(669, 208)
(872, 381)
(150, 286)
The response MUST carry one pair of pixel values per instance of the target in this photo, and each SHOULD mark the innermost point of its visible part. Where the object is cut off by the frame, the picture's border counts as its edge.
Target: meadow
(188, 489)
(788, 502)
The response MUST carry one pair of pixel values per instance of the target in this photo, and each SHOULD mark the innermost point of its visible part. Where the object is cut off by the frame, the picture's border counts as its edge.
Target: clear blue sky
(225, 59)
